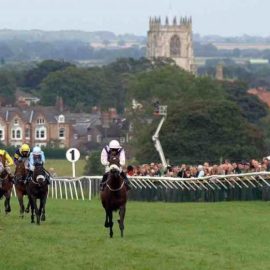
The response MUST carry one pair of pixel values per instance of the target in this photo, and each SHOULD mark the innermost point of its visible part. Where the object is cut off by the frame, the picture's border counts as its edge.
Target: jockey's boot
(127, 183)
(126, 180)
(48, 179)
(103, 182)
(28, 177)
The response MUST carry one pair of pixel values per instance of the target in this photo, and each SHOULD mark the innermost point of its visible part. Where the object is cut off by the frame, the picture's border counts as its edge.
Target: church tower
(171, 41)
(219, 72)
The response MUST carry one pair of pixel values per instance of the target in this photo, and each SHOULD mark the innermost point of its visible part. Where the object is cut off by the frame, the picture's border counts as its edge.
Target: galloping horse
(114, 196)
(37, 188)
(5, 190)
(20, 186)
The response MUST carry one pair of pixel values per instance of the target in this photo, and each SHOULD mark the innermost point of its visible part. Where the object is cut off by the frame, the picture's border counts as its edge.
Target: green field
(63, 167)
(227, 235)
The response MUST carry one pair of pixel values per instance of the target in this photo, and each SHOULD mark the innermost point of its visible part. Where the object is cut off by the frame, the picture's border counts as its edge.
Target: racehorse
(37, 188)
(20, 186)
(114, 196)
(5, 190)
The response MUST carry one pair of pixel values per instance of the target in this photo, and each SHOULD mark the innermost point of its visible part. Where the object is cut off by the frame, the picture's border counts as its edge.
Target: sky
(210, 17)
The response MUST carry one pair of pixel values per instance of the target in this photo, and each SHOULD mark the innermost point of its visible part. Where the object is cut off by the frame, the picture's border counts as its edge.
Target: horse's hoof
(43, 218)
(106, 225)
(26, 210)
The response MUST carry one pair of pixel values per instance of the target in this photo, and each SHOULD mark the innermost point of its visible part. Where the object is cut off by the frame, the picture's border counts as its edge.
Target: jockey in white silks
(113, 150)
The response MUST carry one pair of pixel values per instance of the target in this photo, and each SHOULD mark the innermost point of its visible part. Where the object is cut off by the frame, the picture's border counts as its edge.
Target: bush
(93, 165)
(54, 153)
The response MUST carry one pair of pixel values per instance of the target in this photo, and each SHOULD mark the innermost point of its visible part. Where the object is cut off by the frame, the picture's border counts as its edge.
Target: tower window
(175, 46)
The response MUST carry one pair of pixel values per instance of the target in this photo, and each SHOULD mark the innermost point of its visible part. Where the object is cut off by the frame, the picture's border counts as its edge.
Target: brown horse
(5, 190)
(20, 186)
(114, 197)
(37, 188)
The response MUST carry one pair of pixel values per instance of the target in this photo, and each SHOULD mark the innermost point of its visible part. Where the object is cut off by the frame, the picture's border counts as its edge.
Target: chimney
(59, 104)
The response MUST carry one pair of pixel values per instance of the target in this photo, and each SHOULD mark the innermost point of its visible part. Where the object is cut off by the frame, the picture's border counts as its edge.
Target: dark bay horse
(37, 188)
(5, 190)
(114, 197)
(20, 186)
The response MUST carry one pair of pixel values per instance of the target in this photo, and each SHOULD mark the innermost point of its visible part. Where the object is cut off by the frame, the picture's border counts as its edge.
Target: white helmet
(114, 144)
(36, 150)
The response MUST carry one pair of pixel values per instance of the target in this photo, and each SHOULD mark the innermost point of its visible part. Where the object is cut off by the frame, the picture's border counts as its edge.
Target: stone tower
(219, 72)
(172, 41)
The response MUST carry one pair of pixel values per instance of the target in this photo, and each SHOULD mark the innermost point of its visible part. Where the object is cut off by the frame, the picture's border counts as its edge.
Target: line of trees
(206, 119)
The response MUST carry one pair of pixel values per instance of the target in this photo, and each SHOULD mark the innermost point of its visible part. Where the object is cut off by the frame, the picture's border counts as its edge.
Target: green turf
(227, 235)
(63, 167)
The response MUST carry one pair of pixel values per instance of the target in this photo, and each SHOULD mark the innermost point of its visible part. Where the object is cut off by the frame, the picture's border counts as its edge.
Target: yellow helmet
(24, 148)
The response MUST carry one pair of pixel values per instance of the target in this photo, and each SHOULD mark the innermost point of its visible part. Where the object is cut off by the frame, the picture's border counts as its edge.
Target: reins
(115, 189)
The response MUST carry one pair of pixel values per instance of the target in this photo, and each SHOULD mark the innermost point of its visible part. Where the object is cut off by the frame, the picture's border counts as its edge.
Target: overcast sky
(222, 17)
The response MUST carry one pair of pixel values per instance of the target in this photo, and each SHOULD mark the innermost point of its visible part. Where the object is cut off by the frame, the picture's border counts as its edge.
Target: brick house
(37, 126)
(50, 126)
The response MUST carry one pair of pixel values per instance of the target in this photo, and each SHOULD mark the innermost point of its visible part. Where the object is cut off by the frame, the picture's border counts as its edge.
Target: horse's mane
(39, 169)
(20, 168)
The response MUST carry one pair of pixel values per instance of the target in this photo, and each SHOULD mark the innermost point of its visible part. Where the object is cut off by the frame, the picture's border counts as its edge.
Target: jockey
(36, 157)
(5, 162)
(22, 154)
(113, 149)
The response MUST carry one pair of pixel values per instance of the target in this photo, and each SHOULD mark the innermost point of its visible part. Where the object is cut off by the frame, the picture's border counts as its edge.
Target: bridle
(115, 189)
(41, 174)
(114, 167)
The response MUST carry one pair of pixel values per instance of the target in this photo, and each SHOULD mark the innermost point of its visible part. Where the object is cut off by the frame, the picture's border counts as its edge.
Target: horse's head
(20, 172)
(39, 175)
(114, 160)
(114, 169)
(115, 180)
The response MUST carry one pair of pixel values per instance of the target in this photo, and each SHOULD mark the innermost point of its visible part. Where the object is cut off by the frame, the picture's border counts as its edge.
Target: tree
(7, 86)
(34, 76)
(93, 165)
(204, 123)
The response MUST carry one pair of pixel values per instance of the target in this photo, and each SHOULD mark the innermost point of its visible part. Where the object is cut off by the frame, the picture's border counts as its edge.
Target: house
(38, 125)
(51, 126)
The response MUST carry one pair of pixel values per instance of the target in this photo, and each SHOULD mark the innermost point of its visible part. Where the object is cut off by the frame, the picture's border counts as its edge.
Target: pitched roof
(29, 114)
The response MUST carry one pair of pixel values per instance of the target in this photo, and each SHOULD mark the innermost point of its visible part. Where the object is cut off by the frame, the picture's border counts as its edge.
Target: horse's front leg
(20, 200)
(28, 206)
(36, 209)
(110, 216)
(42, 208)
(106, 224)
(122, 212)
(32, 209)
(7, 202)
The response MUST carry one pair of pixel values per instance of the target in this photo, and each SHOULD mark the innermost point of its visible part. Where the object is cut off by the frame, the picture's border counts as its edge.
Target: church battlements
(155, 23)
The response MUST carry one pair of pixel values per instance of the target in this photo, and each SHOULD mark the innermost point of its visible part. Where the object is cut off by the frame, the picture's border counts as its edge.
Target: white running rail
(81, 187)
(213, 182)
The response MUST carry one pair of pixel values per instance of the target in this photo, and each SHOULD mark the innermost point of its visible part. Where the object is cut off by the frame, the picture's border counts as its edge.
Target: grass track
(227, 235)
(63, 167)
